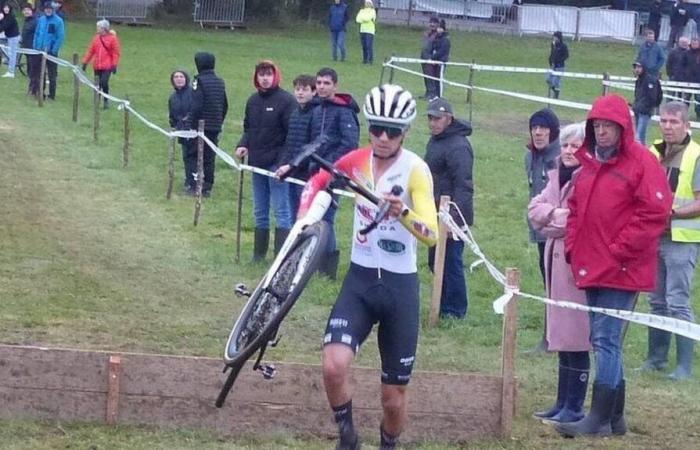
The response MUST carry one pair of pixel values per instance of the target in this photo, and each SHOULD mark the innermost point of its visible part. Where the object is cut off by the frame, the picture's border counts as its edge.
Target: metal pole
(606, 88)
(76, 89)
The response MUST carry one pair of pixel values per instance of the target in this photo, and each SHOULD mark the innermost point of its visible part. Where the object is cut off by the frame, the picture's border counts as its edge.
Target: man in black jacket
(647, 96)
(558, 54)
(209, 103)
(679, 19)
(677, 61)
(265, 127)
(451, 160)
(654, 22)
(440, 52)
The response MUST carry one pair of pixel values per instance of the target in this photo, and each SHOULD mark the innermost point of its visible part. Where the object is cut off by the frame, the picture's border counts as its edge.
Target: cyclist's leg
(349, 324)
(397, 340)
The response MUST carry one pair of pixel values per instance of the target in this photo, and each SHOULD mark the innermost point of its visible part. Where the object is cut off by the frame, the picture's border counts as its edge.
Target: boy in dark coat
(209, 103)
(647, 96)
(265, 127)
(179, 107)
(558, 54)
(299, 134)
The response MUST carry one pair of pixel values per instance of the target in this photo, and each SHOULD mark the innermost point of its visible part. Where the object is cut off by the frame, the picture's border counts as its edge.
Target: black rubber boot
(562, 387)
(280, 236)
(349, 439)
(329, 267)
(261, 243)
(597, 422)
(618, 423)
(555, 91)
(657, 353)
(575, 396)
(685, 349)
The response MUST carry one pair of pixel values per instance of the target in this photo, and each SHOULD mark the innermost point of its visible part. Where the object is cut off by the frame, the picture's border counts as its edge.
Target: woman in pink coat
(568, 331)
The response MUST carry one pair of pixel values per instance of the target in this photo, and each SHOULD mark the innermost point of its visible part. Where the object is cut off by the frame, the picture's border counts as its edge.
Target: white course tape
(510, 69)
(188, 134)
(680, 327)
(534, 98)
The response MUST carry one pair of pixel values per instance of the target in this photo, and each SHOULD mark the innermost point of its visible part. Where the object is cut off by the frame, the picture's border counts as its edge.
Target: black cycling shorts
(393, 301)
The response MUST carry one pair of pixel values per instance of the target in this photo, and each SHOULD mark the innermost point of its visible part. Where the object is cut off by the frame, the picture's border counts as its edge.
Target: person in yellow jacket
(678, 249)
(366, 17)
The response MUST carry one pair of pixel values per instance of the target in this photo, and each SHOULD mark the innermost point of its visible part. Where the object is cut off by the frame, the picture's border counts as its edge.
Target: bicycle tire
(266, 308)
(20, 65)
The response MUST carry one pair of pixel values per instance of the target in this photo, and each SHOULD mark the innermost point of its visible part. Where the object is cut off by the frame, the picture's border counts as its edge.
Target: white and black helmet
(390, 105)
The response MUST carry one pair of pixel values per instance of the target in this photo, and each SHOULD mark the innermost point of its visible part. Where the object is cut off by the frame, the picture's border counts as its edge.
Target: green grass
(94, 256)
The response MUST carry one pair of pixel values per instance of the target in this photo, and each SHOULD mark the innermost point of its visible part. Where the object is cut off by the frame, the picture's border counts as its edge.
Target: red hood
(614, 108)
(343, 99)
(277, 76)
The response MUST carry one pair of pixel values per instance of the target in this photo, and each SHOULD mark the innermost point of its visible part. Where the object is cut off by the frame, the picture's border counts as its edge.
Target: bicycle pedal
(268, 371)
(241, 290)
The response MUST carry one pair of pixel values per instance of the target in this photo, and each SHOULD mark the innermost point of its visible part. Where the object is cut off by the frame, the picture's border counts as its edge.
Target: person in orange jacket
(104, 52)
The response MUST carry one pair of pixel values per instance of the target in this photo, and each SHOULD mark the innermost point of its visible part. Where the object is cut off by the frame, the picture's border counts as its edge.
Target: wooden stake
(510, 323)
(76, 89)
(171, 167)
(42, 81)
(239, 213)
(200, 174)
(96, 112)
(439, 265)
(470, 92)
(114, 375)
(127, 135)
(606, 88)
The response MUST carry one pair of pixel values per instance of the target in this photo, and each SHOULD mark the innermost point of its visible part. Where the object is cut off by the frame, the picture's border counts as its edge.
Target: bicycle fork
(268, 370)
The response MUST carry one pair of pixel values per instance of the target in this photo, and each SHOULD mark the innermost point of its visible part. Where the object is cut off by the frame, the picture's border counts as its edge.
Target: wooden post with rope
(76, 89)
(96, 111)
(508, 346)
(127, 134)
(470, 91)
(200, 173)
(171, 167)
(42, 81)
(239, 212)
(606, 78)
(439, 265)
(391, 72)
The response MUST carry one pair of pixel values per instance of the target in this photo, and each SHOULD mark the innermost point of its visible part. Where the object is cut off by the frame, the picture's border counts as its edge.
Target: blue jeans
(606, 333)
(338, 43)
(295, 191)
(367, 41)
(554, 81)
(329, 218)
(266, 189)
(13, 44)
(641, 122)
(674, 278)
(453, 298)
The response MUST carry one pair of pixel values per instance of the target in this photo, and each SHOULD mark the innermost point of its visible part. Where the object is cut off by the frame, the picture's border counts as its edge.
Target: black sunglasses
(391, 132)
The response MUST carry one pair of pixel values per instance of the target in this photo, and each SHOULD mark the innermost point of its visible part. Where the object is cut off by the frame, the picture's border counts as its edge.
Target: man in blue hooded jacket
(49, 37)
(337, 18)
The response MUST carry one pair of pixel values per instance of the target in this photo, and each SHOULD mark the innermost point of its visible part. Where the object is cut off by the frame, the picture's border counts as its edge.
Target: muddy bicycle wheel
(268, 306)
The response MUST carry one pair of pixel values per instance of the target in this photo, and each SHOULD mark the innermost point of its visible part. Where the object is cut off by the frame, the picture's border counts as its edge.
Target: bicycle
(258, 323)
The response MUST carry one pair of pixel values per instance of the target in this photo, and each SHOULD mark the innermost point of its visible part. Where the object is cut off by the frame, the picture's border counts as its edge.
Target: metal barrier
(125, 10)
(219, 12)
(493, 15)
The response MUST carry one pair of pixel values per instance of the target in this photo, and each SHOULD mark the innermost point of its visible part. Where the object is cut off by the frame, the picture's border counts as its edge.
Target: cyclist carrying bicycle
(381, 285)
